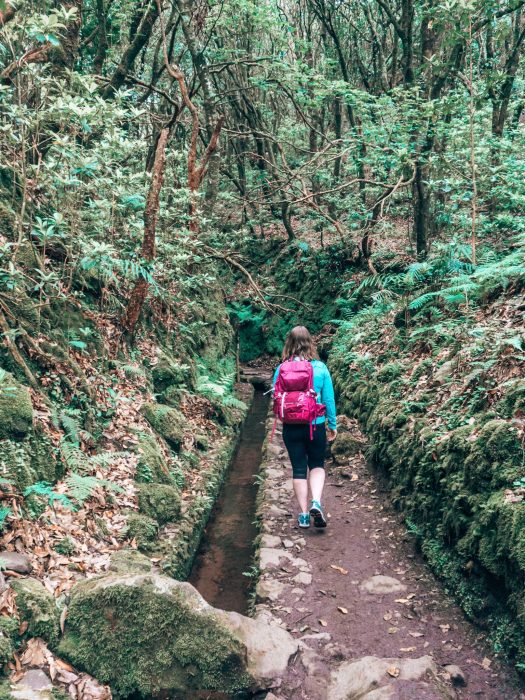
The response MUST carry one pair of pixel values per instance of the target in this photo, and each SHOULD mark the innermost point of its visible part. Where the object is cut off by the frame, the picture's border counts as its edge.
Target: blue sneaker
(303, 520)
(317, 514)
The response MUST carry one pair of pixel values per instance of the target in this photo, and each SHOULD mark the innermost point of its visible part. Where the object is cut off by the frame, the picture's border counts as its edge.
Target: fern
(74, 458)
(71, 427)
(81, 488)
(44, 490)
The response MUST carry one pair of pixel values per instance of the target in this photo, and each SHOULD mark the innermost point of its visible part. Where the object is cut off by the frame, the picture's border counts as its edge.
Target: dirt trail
(321, 585)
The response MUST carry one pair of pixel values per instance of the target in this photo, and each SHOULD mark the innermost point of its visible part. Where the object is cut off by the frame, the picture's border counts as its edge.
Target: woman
(307, 449)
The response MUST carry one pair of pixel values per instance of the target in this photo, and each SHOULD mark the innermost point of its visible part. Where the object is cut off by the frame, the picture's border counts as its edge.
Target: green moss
(65, 546)
(168, 373)
(345, 446)
(202, 442)
(513, 401)
(7, 221)
(150, 635)
(126, 561)
(142, 529)
(492, 461)
(6, 649)
(152, 464)
(390, 371)
(37, 607)
(16, 410)
(168, 422)
(161, 502)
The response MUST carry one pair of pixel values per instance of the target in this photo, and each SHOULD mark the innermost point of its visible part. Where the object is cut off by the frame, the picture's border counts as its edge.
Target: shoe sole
(304, 527)
(319, 519)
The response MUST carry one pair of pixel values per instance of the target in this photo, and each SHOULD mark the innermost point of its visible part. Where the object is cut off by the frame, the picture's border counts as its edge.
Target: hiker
(304, 402)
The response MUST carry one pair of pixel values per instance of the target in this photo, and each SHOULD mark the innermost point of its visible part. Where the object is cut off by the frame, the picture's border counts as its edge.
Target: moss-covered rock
(142, 529)
(161, 502)
(157, 637)
(169, 372)
(168, 422)
(345, 446)
(37, 607)
(29, 460)
(16, 410)
(152, 464)
(127, 561)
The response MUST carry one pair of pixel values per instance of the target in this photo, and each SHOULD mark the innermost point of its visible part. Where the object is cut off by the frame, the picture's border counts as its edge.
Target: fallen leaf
(444, 628)
(323, 623)
(338, 568)
(355, 477)
(486, 663)
(393, 671)
(416, 634)
(392, 630)
(387, 616)
(342, 610)
(407, 648)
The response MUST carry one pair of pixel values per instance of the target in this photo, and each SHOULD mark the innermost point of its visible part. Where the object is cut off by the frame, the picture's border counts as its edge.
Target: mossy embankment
(436, 379)
(116, 446)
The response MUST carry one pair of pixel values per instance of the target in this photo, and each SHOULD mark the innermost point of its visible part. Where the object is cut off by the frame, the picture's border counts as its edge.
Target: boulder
(157, 637)
(16, 409)
(168, 422)
(159, 501)
(37, 607)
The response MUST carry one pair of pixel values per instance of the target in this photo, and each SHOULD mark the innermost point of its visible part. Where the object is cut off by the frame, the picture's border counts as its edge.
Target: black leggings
(305, 453)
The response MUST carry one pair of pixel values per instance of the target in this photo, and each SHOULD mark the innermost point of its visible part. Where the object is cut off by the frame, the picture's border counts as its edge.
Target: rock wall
(445, 425)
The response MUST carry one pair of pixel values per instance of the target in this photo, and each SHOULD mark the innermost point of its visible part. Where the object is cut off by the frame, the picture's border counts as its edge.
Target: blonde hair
(299, 343)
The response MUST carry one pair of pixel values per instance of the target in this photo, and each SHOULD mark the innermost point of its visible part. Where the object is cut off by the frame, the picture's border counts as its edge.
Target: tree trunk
(151, 213)
(421, 204)
(208, 101)
(137, 43)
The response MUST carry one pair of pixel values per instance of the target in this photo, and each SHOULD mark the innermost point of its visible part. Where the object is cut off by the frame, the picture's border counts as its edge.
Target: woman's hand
(331, 434)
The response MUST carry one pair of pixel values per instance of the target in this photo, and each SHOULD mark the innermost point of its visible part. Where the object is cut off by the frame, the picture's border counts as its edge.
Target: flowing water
(226, 549)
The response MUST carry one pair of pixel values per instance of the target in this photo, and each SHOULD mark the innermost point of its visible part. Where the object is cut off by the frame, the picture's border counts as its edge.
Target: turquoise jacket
(324, 389)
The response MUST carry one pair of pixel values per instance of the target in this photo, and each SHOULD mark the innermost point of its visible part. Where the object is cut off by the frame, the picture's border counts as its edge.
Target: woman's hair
(299, 343)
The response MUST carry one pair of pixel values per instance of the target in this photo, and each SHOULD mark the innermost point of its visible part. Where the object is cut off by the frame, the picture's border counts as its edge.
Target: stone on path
(381, 585)
(16, 561)
(269, 589)
(457, 676)
(270, 541)
(303, 578)
(363, 678)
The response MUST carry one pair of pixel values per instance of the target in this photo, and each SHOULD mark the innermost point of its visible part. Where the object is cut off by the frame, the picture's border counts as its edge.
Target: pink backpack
(294, 397)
